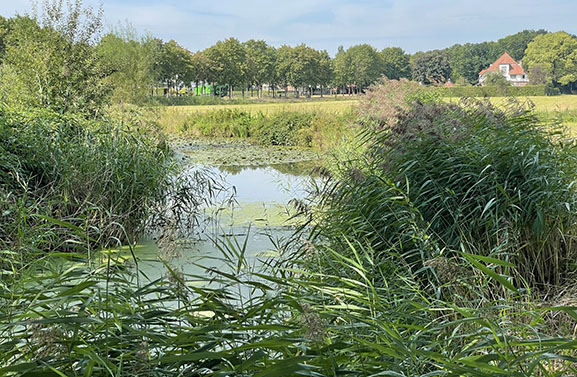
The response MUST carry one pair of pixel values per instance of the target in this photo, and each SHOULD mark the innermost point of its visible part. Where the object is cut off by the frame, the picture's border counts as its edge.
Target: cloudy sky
(326, 24)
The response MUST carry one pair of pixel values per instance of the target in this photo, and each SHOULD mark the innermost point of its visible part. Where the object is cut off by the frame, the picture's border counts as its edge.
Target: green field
(543, 104)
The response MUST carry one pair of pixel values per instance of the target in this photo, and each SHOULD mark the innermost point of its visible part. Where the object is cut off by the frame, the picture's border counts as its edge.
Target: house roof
(514, 69)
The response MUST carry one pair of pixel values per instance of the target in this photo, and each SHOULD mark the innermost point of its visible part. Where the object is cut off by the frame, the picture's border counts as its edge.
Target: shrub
(102, 177)
(496, 91)
(480, 178)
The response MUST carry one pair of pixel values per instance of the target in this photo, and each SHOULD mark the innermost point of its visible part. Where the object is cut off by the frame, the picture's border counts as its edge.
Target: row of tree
(129, 66)
(254, 63)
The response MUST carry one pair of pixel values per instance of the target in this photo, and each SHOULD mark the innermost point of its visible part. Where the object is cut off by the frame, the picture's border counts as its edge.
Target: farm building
(509, 68)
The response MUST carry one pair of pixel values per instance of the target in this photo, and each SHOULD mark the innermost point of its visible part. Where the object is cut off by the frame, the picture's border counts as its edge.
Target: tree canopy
(556, 54)
(395, 63)
(431, 67)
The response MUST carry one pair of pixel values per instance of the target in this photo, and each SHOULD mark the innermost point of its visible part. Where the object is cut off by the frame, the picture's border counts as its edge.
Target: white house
(509, 68)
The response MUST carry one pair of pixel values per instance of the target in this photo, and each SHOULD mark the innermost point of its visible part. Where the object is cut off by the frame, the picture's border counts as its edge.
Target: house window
(503, 69)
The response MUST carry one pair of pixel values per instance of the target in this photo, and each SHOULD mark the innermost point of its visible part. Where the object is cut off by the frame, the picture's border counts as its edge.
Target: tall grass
(362, 316)
(289, 128)
(494, 182)
(103, 177)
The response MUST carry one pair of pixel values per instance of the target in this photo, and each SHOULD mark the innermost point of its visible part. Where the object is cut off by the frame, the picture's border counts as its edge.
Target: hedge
(495, 91)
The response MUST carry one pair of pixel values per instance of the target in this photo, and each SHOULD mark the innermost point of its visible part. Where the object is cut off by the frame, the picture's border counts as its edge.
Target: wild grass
(364, 314)
(172, 119)
(100, 176)
(289, 128)
(476, 177)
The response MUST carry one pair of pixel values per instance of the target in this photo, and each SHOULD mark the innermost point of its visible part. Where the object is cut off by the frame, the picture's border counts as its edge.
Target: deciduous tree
(516, 44)
(228, 63)
(556, 53)
(396, 63)
(51, 62)
(175, 65)
(260, 61)
(431, 67)
(132, 60)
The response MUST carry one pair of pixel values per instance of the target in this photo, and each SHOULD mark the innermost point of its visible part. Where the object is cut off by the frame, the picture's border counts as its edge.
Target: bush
(102, 177)
(495, 91)
(477, 177)
(220, 123)
(306, 129)
(286, 128)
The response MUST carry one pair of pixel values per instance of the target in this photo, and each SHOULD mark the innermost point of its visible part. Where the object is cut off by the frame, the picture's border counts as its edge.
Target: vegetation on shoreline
(441, 243)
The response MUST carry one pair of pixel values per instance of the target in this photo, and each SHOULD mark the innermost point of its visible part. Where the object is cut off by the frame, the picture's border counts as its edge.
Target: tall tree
(342, 69)
(132, 60)
(260, 61)
(175, 65)
(304, 68)
(50, 60)
(556, 54)
(469, 59)
(365, 65)
(431, 67)
(228, 63)
(516, 44)
(396, 63)
(200, 66)
(325, 74)
(284, 57)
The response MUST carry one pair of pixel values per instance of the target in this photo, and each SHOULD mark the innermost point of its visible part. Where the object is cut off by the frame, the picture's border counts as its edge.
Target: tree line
(128, 66)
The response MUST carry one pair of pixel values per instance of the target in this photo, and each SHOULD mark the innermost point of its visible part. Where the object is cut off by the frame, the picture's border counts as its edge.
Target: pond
(254, 223)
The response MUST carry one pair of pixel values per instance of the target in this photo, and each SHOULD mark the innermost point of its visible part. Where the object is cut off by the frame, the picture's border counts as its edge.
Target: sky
(414, 25)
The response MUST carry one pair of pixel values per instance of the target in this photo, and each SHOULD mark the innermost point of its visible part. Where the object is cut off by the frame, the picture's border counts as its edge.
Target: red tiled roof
(515, 69)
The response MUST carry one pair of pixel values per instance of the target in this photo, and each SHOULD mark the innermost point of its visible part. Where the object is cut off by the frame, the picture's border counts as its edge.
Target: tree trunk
(230, 91)
(321, 91)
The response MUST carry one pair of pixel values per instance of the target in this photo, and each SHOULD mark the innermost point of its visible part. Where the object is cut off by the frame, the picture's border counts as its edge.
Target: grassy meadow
(563, 108)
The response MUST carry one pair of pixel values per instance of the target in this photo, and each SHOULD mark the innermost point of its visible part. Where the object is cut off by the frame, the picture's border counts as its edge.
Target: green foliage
(5, 25)
(330, 312)
(285, 128)
(489, 180)
(260, 62)
(537, 75)
(516, 44)
(220, 123)
(54, 68)
(496, 79)
(289, 128)
(175, 64)
(469, 59)
(431, 67)
(227, 62)
(556, 54)
(132, 61)
(396, 63)
(494, 91)
(99, 176)
(360, 66)
(366, 65)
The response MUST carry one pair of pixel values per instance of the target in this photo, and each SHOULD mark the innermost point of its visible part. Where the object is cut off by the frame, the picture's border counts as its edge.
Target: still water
(255, 222)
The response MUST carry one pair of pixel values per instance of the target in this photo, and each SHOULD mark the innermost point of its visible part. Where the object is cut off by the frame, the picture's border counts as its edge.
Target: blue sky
(326, 24)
